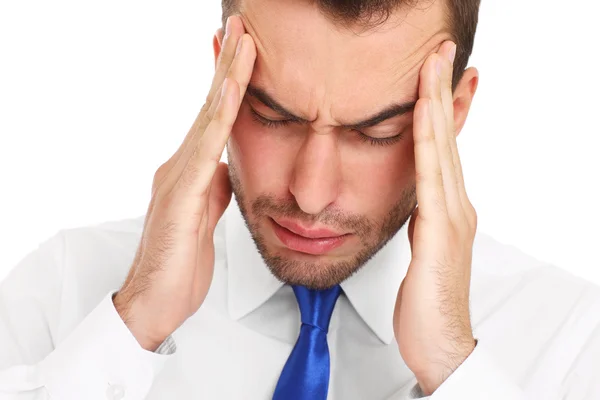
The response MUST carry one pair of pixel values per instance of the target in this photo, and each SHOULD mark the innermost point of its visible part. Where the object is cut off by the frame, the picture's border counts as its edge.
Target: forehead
(320, 70)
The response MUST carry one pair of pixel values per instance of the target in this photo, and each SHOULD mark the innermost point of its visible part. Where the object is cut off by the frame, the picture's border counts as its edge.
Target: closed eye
(276, 123)
(269, 123)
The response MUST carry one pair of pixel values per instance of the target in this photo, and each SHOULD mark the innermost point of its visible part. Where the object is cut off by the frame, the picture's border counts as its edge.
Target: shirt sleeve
(478, 377)
(582, 378)
(100, 359)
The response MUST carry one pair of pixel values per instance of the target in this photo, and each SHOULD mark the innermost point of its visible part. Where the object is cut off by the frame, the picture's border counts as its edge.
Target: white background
(95, 95)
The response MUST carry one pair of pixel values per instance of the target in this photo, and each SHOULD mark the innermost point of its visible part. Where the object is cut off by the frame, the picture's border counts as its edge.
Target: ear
(463, 97)
(217, 44)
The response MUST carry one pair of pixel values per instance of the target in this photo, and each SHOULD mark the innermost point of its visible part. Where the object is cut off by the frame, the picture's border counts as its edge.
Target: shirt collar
(372, 290)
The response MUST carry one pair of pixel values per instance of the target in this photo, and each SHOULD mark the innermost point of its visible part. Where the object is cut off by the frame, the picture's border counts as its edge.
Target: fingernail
(438, 67)
(239, 46)
(452, 54)
(228, 27)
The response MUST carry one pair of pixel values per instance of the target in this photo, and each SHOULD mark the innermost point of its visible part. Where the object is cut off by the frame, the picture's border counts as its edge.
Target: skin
(320, 174)
(323, 175)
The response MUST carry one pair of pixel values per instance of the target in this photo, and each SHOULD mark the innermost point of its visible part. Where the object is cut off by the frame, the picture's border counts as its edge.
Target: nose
(316, 177)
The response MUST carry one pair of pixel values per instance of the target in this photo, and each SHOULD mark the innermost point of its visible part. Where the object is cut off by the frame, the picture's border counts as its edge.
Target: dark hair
(461, 19)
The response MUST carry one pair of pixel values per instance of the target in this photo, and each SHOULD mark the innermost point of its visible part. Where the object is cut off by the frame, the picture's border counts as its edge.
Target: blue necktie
(306, 373)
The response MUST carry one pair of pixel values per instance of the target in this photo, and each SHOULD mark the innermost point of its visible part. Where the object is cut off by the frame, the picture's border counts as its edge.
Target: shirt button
(115, 392)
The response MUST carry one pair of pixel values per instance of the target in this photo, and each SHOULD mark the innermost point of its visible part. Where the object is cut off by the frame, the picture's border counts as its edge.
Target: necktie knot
(316, 306)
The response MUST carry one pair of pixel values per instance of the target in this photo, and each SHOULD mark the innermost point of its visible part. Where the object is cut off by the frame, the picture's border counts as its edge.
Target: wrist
(124, 305)
(441, 365)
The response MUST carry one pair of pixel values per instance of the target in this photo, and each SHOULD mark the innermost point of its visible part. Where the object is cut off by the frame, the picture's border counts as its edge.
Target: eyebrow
(390, 111)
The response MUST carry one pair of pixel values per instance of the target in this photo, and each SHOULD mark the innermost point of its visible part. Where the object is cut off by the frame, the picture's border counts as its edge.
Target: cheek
(260, 157)
(373, 177)
(377, 177)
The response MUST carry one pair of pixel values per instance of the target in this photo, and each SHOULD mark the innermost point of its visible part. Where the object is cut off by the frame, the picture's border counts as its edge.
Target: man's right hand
(173, 267)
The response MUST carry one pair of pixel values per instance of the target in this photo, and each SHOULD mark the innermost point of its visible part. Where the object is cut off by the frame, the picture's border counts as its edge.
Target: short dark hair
(461, 18)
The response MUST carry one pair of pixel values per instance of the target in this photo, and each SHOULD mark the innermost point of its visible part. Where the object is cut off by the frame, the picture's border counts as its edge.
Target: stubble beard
(373, 235)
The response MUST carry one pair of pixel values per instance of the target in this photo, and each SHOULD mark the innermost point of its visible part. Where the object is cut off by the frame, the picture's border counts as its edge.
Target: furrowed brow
(391, 111)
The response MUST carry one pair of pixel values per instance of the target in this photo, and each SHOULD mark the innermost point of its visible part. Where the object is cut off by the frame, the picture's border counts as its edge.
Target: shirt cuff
(478, 377)
(101, 358)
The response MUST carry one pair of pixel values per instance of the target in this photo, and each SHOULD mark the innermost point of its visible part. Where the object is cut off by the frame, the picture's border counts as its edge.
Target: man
(339, 118)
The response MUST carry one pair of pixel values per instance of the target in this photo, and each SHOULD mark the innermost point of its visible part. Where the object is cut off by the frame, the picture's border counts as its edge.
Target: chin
(313, 271)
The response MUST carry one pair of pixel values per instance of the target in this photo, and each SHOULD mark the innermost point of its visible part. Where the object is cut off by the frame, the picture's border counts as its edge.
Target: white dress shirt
(538, 327)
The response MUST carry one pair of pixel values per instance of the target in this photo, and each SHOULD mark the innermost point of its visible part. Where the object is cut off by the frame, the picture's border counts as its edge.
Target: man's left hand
(431, 318)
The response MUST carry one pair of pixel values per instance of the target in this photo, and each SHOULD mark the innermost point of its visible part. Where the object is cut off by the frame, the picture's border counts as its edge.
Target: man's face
(322, 194)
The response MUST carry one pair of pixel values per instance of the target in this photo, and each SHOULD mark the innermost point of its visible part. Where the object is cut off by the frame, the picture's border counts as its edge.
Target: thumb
(220, 195)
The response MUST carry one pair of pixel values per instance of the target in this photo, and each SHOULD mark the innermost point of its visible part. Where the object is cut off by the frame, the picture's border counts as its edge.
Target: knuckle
(161, 170)
(164, 203)
(420, 177)
(221, 120)
(206, 105)
(231, 71)
(159, 175)
(426, 138)
(472, 215)
(432, 176)
(204, 117)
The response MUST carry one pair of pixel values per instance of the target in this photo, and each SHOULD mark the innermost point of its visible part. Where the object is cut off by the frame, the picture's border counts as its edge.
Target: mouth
(309, 241)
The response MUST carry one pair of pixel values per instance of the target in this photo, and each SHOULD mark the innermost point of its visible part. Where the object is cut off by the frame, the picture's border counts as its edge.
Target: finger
(223, 62)
(428, 174)
(233, 32)
(240, 70)
(448, 101)
(448, 105)
(195, 179)
(165, 169)
(199, 121)
(241, 67)
(243, 64)
(432, 88)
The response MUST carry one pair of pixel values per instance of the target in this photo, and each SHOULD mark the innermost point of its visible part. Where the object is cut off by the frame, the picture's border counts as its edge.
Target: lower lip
(306, 245)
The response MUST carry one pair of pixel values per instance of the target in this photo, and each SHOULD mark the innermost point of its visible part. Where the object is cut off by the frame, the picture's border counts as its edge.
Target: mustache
(265, 205)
